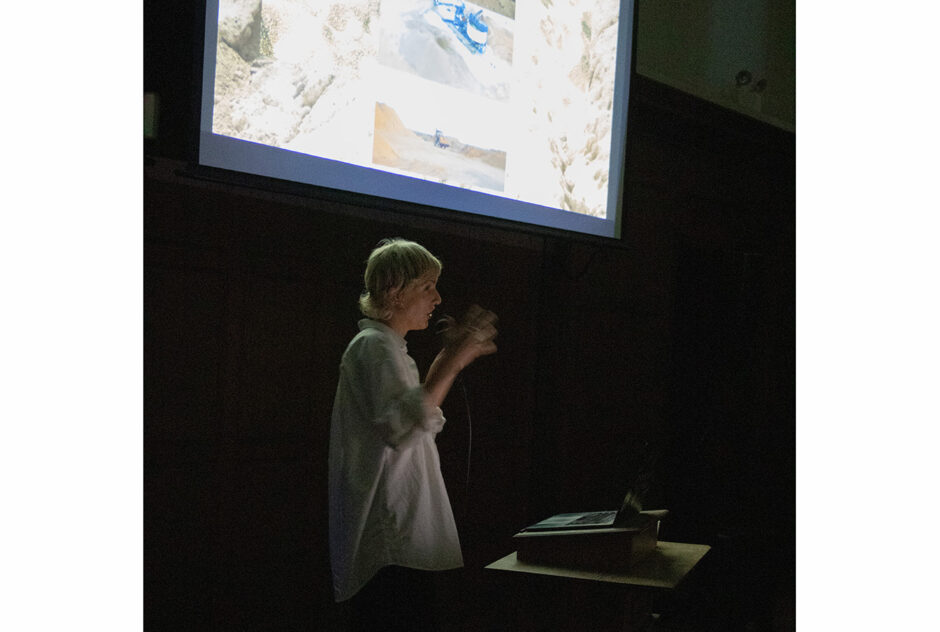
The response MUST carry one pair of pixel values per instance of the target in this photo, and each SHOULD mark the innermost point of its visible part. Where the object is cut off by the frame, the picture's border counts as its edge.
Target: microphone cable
(466, 400)
(442, 325)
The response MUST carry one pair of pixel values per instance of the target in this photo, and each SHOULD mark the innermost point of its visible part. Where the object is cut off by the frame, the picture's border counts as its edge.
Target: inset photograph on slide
(458, 44)
(437, 156)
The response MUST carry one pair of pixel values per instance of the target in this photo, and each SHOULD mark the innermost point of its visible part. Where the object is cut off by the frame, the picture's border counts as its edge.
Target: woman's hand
(470, 337)
(464, 341)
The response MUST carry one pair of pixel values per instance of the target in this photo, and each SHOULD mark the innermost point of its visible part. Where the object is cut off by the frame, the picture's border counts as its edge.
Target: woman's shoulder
(372, 336)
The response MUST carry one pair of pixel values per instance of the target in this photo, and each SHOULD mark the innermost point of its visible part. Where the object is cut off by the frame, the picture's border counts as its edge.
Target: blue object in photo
(470, 28)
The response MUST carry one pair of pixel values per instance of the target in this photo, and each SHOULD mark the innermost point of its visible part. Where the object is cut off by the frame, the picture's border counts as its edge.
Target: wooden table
(563, 597)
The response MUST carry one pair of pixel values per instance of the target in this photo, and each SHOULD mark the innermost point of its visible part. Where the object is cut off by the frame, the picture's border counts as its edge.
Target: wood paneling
(668, 361)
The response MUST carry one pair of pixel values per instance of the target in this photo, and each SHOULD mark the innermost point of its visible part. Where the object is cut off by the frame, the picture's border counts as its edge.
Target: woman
(390, 516)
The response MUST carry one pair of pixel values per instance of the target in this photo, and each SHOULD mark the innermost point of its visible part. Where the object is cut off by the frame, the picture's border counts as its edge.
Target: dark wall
(667, 363)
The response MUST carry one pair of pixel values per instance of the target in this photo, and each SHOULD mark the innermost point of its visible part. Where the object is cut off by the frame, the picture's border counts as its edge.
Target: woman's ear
(393, 297)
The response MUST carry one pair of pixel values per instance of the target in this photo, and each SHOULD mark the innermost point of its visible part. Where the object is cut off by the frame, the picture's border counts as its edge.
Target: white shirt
(388, 503)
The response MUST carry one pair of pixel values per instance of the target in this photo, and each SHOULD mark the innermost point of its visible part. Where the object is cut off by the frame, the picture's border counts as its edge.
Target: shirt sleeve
(394, 399)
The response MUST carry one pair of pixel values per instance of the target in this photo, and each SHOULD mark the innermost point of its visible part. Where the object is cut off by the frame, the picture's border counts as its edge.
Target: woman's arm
(382, 386)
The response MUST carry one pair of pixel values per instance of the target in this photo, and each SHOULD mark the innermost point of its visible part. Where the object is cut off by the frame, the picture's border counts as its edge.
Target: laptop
(628, 515)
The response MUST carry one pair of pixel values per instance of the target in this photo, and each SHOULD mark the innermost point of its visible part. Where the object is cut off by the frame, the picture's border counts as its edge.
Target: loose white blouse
(388, 503)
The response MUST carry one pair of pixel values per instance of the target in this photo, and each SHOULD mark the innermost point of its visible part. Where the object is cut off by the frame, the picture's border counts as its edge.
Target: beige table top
(664, 567)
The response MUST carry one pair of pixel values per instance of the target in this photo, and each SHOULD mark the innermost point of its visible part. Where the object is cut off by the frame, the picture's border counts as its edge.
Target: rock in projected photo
(451, 42)
(435, 156)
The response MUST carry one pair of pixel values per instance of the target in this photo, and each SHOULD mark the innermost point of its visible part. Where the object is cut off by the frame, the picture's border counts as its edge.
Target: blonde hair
(391, 266)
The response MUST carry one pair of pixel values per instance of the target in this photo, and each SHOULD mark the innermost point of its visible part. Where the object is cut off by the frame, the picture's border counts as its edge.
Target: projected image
(437, 155)
(512, 100)
(456, 43)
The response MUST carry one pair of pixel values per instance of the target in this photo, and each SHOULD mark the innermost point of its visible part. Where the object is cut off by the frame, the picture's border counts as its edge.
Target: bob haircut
(392, 266)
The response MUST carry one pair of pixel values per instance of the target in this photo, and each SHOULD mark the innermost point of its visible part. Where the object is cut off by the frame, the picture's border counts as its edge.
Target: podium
(608, 549)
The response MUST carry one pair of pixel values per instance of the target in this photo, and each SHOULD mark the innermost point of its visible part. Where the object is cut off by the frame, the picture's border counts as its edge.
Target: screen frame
(551, 222)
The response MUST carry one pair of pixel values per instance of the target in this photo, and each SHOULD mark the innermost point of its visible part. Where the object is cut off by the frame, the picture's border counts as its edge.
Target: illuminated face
(416, 302)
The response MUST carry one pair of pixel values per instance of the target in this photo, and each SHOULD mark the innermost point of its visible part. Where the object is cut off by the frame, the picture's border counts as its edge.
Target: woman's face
(416, 303)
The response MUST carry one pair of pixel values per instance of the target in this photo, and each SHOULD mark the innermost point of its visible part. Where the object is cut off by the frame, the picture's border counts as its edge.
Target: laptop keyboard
(594, 517)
